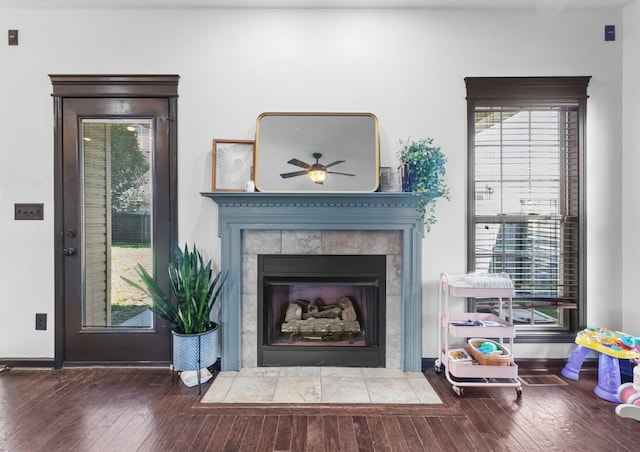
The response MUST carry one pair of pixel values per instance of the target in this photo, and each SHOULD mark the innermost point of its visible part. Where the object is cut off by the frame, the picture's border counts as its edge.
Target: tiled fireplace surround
(318, 223)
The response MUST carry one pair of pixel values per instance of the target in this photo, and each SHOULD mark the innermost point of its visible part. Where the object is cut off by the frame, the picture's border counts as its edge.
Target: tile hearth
(321, 385)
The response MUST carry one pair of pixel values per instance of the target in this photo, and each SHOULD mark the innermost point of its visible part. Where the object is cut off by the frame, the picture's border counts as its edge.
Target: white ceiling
(556, 5)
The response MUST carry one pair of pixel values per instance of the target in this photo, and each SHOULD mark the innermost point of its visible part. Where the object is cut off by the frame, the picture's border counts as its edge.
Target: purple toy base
(608, 378)
(572, 369)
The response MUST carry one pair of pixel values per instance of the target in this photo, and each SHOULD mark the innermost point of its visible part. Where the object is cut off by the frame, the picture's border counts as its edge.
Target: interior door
(116, 213)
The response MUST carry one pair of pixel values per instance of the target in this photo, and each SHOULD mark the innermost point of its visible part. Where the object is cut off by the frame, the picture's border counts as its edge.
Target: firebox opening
(321, 310)
(319, 314)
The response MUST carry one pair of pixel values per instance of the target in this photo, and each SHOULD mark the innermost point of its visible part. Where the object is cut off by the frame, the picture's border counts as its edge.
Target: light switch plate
(29, 211)
(13, 37)
(609, 32)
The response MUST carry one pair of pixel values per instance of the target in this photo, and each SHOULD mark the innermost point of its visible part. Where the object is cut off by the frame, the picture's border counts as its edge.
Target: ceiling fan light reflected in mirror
(316, 172)
(317, 175)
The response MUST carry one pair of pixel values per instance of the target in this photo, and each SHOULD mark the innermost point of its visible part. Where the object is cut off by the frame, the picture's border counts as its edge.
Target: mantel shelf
(317, 210)
(371, 199)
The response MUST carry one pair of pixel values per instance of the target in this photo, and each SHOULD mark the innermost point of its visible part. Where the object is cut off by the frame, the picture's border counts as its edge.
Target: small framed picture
(232, 162)
(389, 179)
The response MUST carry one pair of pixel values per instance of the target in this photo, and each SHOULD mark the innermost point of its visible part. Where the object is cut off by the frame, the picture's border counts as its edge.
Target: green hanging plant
(423, 170)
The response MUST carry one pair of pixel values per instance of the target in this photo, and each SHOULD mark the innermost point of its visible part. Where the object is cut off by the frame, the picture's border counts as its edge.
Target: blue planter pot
(407, 177)
(195, 351)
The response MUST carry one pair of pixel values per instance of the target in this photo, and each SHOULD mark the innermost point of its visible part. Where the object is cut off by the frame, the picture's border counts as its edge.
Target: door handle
(69, 251)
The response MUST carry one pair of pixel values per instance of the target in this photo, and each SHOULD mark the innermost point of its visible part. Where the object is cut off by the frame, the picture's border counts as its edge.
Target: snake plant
(196, 289)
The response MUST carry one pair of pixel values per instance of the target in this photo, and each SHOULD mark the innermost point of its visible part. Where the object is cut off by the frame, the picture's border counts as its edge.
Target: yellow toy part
(612, 343)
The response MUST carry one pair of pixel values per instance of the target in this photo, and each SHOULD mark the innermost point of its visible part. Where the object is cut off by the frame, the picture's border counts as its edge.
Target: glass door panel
(116, 222)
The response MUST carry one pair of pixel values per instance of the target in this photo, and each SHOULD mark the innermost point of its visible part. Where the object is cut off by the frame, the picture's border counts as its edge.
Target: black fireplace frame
(329, 269)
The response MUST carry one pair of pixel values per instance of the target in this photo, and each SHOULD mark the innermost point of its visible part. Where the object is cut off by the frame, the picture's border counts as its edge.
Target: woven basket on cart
(489, 360)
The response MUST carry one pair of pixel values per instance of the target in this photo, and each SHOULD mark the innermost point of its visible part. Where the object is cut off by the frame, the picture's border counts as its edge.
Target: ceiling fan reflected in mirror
(317, 172)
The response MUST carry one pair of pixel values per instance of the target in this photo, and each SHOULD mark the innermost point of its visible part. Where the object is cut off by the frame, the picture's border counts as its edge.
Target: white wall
(407, 67)
(631, 165)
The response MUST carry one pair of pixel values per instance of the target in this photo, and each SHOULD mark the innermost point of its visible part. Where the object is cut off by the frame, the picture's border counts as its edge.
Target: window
(526, 195)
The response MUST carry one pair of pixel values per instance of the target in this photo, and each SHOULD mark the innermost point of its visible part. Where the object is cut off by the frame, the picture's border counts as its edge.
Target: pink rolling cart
(463, 371)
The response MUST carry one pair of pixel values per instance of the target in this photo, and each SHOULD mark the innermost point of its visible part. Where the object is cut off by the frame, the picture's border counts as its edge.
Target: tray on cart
(475, 370)
(472, 324)
(494, 285)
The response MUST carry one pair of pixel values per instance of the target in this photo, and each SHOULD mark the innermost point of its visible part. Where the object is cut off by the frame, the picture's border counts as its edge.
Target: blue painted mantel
(238, 211)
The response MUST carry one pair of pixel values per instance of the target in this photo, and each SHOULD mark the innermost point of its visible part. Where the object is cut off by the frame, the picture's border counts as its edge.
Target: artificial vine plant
(424, 167)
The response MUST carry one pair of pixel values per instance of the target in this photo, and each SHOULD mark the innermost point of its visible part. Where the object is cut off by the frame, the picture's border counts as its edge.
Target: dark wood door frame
(104, 86)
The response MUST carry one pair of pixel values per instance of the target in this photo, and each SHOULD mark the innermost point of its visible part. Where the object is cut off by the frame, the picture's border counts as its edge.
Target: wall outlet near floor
(41, 321)
(13, 37)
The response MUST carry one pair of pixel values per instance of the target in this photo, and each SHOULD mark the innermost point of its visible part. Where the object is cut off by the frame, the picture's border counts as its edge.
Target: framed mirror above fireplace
(317, 152)
(321, 310)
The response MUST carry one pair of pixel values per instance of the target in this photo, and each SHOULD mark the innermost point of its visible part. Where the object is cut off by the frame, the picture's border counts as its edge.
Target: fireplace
(253, 224)
(321, 310)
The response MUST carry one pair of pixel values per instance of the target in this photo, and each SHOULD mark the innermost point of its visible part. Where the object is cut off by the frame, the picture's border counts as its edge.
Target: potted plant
(196, 289)
(422, 172)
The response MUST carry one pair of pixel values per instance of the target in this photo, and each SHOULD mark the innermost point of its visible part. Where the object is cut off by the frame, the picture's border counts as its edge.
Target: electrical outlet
(29, 211)
(41, 321)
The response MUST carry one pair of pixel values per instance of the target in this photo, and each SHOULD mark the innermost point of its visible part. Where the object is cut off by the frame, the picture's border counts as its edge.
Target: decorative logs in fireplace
(321, 310)
(316, 320)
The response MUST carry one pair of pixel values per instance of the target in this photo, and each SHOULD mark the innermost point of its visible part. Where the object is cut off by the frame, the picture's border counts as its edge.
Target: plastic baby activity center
(612, 347)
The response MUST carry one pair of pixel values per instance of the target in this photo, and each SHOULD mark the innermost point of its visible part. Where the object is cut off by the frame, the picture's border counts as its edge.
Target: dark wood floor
(143, 409)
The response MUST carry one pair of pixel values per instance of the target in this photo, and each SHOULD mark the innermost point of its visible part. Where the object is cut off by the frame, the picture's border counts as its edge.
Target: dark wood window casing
(526, 203)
